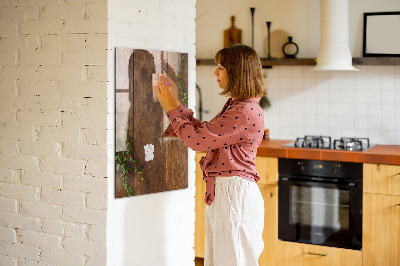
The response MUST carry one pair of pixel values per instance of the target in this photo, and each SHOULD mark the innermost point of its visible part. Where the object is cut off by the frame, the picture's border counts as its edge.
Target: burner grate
(351, 144)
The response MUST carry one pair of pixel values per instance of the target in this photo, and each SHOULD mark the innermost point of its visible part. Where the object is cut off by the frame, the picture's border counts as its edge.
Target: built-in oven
(320, 202)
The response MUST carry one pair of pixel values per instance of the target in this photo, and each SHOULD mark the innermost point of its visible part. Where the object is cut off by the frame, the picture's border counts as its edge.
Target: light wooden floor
(199, 262)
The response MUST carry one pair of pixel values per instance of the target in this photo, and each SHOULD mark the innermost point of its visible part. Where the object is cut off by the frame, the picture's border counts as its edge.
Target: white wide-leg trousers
(234, 223)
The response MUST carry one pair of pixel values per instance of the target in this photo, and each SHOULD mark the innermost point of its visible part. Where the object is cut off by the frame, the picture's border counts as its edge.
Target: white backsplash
(336, 103)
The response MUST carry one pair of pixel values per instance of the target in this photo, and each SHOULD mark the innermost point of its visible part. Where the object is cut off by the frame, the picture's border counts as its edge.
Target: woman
(235, 207)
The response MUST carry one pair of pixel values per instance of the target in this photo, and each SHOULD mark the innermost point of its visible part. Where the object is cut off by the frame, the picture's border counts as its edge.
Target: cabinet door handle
(318, 254)
(398, 204)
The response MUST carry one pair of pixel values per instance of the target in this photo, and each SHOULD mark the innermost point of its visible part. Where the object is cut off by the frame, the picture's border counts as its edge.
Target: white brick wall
(53, 109)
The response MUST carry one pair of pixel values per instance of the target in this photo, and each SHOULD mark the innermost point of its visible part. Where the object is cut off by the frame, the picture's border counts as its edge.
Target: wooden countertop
(379, 154)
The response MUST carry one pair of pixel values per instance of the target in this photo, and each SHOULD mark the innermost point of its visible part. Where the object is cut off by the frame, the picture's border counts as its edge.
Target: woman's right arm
(188, 114)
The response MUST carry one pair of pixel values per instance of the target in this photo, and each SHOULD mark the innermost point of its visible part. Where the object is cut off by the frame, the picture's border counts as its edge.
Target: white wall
(53, 106)
(299, 18)
(154, 229)
(338, 104)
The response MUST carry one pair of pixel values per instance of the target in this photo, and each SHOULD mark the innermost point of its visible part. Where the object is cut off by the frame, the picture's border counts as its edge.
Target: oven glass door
(320, 213)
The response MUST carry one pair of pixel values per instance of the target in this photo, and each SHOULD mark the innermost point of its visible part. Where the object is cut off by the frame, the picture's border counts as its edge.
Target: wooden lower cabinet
(298, 254)
(381, 179)
(200, 208)
(270, 233)
(381, 230)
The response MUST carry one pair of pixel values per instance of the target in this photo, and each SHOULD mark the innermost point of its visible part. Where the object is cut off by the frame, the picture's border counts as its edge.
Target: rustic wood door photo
(145, 162)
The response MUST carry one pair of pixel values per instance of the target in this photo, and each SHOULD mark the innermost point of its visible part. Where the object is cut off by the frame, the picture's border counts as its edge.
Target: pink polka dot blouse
(231, 139)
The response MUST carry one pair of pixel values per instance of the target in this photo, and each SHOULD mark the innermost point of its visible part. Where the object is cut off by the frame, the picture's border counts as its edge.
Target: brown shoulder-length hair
(245, 78)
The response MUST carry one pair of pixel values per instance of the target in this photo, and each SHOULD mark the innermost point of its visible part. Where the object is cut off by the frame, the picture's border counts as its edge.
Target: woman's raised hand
(174, 90)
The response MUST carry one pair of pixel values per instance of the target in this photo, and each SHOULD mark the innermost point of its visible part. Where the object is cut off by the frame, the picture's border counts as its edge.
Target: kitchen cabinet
(200, 207)
(381, 230)
(298, 254)
(267, 168)
(381, 215)
(381, 179)
(270, 233)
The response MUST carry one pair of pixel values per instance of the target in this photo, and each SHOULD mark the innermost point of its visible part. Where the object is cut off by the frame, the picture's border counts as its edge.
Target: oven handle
(297, 181)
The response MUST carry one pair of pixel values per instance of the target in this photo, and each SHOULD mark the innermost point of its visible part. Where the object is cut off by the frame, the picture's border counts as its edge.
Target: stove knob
(336, 169)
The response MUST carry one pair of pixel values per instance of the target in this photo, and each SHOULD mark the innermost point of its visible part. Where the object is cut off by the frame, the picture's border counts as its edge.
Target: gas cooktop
(325, 142)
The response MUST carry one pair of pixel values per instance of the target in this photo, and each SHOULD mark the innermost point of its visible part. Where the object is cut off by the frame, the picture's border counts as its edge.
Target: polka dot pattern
(231, 138)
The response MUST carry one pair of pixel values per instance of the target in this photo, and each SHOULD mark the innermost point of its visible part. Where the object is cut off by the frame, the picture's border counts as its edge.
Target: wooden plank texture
(145, 121)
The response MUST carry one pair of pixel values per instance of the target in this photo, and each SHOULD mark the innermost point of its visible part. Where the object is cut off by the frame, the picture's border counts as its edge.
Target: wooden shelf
(312, 61)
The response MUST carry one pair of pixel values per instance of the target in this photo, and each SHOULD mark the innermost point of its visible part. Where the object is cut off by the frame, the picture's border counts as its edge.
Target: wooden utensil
(232, 35)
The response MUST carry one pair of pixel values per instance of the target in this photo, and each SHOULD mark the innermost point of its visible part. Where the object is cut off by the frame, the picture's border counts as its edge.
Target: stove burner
(308, 141)
(351, 144)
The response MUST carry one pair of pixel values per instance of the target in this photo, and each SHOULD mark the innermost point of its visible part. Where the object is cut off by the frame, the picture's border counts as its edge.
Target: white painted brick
(19, 221)
(84, 26)
(84, 247)
(63, 197)
(7, 175)
(96, 137)
(8, 261)
(99, 260)
(39, 118)
(20, 43)
(62, 166)
(39, 58)
(61, 259)
(26, 103)
(35, 239)
(19, 251)
(75, 230)
(8, 234)
(16, 132)
(29, 2)
(40, 27)
(97, 233)
(39, 87)
(8, 58)
(96, 42)
(18, 72)
(40, 148)
(53, 227)
(94, 168)
(73, 105)
(18, 13)
(8, 146)
(60, 73)
(57, 134)
(85, 152)
(84, 216)
(41, 179)
(86, 184)
(87, 88)
(85, 121)
(68, 42)
(94, 201)
(7, 88)
(88, 57)
(18, 191)
(90, 1)
(8, 205)
(62, 12)
(7, 117)
(97, 11)
(98, 73)
(161, 19)
(18, 161)
(25, 262)
(38, 209)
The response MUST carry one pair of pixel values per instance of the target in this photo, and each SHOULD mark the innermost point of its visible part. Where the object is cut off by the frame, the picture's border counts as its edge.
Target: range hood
(334, 51)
